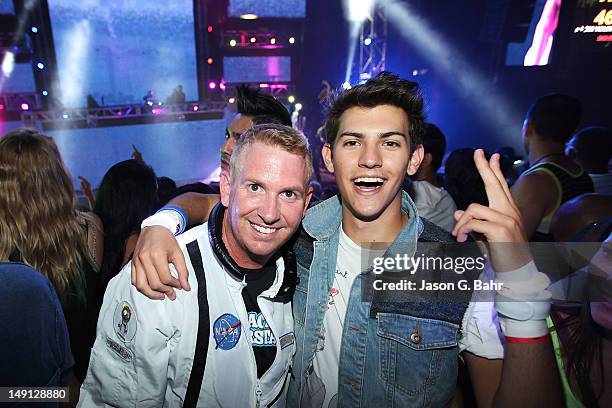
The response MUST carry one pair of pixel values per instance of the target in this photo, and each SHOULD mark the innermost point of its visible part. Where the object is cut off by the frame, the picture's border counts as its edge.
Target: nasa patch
(226, 330)
(124, 321)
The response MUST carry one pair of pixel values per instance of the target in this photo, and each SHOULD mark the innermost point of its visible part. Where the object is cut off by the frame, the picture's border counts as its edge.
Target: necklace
(545, 157)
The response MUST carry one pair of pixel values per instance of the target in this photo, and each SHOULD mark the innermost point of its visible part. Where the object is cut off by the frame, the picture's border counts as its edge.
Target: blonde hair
(285, 137)
(38, 218)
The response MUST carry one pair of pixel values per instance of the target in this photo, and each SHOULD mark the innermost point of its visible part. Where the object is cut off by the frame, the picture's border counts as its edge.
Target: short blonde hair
(285, 137)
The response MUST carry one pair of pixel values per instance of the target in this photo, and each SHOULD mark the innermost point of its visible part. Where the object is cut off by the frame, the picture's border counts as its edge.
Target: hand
(86, 188)
(498, 224)
(136, 154)
(156, 247)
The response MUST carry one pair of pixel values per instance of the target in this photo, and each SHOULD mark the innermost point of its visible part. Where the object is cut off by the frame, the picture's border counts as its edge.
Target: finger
(495, 164)
(141, 283)
(494, 190)
(464, 216)
(457, 214)
(476, 226)
(178, 260)
(153, 277)
(480, 212)
(161, 269)
(132, 273)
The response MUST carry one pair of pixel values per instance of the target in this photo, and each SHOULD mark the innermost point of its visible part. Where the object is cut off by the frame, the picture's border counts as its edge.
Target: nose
(269, 209)
(228, 146)
(370, 157)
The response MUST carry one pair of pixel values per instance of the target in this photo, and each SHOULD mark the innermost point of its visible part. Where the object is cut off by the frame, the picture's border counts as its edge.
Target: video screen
(268, 8)
(256, 69)
(536, 48)
(118, 51)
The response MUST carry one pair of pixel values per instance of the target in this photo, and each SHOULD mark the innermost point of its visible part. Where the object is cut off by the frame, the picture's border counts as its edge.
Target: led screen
(117, 51)
(536, 48)
(6, 7)
(256, 69)
(268, 8)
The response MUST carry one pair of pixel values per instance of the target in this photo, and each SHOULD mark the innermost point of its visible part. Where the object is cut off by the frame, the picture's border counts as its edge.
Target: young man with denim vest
(401, 350)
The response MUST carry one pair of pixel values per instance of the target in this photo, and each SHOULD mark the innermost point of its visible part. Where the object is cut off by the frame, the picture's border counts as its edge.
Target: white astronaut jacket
(144, 350)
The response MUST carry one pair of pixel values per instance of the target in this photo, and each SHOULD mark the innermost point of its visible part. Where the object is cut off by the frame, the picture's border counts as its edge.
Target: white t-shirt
(350, 263)
(480, 328)
(435, 204)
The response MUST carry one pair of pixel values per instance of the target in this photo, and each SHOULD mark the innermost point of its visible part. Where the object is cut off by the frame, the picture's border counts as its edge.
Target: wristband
(172, 218)
(521, 340)
(523, 302)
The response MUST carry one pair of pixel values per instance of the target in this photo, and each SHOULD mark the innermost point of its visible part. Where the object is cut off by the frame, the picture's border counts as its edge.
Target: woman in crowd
(582, 333)
(126, 196)
(39, 226)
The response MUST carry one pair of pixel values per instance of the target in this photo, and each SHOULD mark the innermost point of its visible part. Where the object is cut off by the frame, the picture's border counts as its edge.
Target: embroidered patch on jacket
(226, 330)
(124, 321)
(286, 340)
(121, 351)
(261, 334)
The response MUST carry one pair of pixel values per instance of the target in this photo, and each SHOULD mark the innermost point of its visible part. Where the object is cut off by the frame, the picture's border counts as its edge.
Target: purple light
(156, 111)
(212, 85)
(25, 106)
(195, 108)
(264, 85)
(222, 86)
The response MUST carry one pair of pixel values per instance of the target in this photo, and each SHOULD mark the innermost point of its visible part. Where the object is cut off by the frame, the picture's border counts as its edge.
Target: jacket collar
(323, 219)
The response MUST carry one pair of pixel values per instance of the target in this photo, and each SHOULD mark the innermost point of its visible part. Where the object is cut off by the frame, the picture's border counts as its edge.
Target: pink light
(25, 106)
(264, 85)
(157, 111)
(1, 106)
(222, 86)
(212, 85)
(210, 29)
(195, 108)
(119, 113)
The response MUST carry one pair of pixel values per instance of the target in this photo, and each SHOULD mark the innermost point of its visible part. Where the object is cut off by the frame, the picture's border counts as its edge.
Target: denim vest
(395, 352)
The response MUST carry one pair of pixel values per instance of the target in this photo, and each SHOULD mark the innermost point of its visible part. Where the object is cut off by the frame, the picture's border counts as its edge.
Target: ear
(224, 186)
(415, 160)
(327, 157)
(307, 200)
(528, 128)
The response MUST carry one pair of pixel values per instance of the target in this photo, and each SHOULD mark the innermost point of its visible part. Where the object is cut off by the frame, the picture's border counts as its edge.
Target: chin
(366, 214)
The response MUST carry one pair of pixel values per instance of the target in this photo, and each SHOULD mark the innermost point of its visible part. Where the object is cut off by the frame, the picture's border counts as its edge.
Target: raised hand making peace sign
(499, 223)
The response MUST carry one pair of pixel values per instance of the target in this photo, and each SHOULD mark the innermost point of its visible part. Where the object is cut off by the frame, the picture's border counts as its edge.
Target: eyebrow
(380, 135)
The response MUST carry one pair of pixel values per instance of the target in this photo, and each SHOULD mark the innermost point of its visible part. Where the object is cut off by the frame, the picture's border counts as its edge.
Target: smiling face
(238, 126)
(266, 200)
(370, 157)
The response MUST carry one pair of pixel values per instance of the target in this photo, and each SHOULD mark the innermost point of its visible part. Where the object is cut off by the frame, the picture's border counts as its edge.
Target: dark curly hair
(384, 89)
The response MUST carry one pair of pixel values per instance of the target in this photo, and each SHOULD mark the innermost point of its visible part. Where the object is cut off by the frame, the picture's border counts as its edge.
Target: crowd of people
(258, 291)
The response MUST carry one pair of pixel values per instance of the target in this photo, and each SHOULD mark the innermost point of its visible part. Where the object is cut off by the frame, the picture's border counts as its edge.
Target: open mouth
(368, 183)
(262, 229)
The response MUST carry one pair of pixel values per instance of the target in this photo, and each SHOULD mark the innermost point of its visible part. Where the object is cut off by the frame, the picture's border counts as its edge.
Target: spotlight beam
(493, 106)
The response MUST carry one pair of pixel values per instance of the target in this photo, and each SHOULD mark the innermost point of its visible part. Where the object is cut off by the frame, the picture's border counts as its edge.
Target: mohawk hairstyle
(263, 108)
